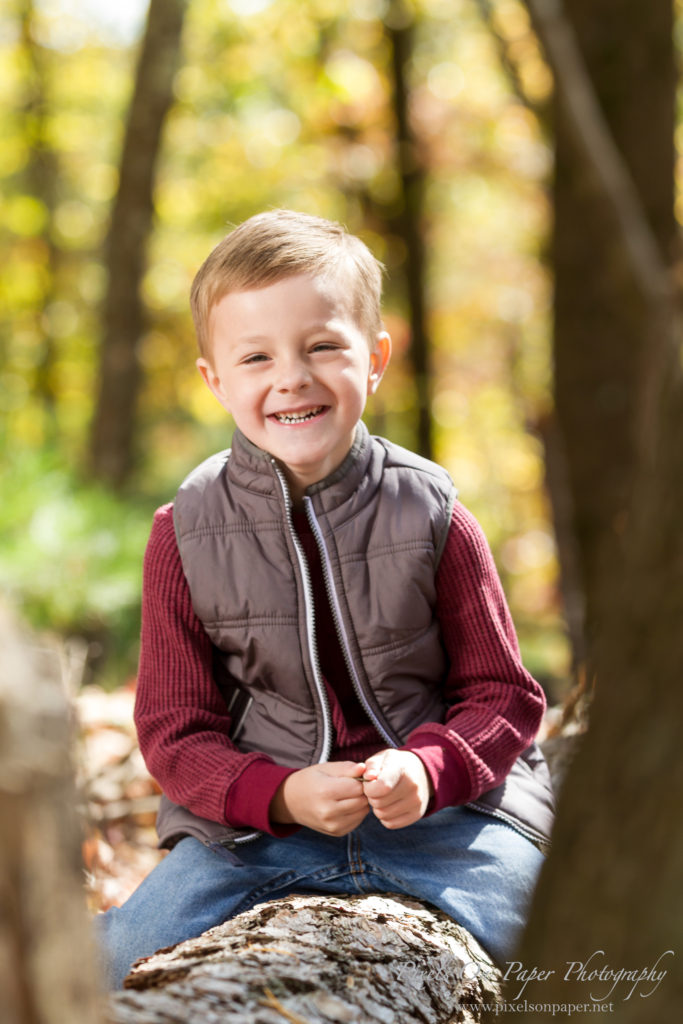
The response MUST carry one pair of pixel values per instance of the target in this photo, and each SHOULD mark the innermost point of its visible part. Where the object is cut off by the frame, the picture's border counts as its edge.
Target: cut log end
(315, 959)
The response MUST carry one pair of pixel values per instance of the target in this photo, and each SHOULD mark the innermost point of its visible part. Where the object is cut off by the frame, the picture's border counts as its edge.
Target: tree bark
(113, 428)
(315, 959)
(602, 316)
(47, 968)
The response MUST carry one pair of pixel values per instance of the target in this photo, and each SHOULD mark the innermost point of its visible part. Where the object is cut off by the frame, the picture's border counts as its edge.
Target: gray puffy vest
(381, 522)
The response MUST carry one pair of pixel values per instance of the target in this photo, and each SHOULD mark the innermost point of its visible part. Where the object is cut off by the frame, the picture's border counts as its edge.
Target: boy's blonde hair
(279, 244)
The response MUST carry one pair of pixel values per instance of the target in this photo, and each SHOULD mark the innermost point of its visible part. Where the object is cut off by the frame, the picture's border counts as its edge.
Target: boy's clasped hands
(334, 797)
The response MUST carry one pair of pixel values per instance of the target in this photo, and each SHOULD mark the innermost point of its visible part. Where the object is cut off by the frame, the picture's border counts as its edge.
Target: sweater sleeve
(181, 718)
(495, 706)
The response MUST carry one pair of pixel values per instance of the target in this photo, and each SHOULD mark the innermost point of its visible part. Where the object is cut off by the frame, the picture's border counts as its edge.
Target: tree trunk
(607, 919)
(400, 22)
(113, 429)
(41, 175)
(601, 320)
(561, 499)
(47, 969)
(315, 959)
(612, 888)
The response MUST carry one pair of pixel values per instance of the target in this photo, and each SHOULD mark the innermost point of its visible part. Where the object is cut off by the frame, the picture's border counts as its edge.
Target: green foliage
(71, 556)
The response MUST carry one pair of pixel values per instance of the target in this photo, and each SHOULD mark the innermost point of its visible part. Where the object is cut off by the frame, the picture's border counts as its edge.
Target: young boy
(330, 691)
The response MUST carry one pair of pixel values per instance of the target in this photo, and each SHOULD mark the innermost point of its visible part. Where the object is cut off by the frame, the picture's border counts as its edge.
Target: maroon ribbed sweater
(183, 725)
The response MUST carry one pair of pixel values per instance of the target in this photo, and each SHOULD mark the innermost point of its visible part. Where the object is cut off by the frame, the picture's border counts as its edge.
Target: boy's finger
(348, 789)
(345, 769)
(352, 805)
(383, 798)
(376, 789)
(389, 772)
(401, 821)
(374, 766)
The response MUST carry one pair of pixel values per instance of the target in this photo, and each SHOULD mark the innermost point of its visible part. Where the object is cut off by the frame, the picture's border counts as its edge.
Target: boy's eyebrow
(252, 341)
(332, 326)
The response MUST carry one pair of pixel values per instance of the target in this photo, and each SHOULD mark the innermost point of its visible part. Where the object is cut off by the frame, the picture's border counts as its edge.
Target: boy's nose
(294, 376)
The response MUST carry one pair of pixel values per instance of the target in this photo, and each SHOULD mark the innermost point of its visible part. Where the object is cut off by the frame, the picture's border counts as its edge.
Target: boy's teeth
(297, 417)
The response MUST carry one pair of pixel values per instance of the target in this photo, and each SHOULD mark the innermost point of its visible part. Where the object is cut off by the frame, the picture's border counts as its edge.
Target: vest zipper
(233, 843)
(382, 728)
(310, 622)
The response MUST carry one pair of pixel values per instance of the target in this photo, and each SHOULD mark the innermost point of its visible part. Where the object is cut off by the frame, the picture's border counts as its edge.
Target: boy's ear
(212, 380)
(379, 359)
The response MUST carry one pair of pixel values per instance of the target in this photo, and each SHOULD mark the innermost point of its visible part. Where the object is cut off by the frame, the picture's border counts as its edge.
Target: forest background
(399, 120)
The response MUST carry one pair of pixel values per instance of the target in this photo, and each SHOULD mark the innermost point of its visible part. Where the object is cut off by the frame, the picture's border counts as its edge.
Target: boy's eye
(257, 357)
(324, 346)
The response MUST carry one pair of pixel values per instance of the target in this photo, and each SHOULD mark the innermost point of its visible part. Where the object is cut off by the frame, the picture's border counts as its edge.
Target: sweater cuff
(249, 798)
(446, 768)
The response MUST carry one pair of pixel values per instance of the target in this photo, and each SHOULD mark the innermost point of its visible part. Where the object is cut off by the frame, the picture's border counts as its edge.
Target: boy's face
(292, 366)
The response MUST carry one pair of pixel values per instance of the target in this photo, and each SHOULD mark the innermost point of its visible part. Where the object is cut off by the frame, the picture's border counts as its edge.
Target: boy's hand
(326, 797)
(397, 786)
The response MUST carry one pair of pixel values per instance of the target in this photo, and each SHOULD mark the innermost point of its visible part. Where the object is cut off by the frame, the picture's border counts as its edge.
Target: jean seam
(356, 866)
(370, 869)
(284, 882)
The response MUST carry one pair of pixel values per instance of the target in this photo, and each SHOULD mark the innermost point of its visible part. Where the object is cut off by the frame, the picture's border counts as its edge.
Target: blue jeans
(480, 871)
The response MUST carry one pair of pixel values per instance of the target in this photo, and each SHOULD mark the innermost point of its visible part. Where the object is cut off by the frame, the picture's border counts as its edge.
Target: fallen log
(317, 960)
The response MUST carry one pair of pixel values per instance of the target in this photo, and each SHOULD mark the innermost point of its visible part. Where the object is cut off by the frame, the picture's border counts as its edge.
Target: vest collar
(255, 469)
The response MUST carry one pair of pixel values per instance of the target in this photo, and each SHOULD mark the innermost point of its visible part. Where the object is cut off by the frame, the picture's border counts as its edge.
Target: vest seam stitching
(288, 620)
(225, 528)
(387, 549)
(395, 645)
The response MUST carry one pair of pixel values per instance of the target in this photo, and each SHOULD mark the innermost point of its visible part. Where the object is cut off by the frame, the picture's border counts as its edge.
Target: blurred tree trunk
(543, 424)
(601, 320)
(41, 176)
(614, 878)
(47, 965)
(611, 893)
(400, 28)
(113, 428)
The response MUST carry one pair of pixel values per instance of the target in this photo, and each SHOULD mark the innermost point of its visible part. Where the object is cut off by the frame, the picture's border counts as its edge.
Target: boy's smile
(290, 362)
